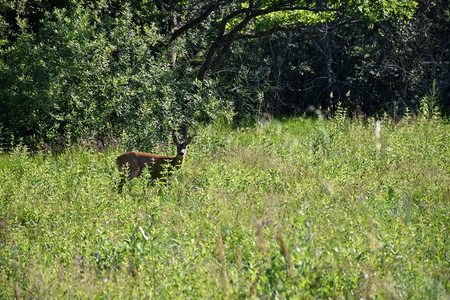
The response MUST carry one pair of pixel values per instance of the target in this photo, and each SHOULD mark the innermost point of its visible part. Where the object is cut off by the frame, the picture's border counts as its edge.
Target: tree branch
(194, 22)
(275, 29)
(224, 40)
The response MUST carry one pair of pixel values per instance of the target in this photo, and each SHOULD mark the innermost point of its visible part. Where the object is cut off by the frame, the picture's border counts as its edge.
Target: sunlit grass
(297, 207)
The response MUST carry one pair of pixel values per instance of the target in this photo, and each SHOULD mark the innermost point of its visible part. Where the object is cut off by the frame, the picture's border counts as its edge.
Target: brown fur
(131, 164)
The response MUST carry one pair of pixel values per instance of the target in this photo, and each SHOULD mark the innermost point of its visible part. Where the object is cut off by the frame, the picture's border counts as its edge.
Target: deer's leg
(121, 182)
(127, 172)
(134, 173)
(123, 169)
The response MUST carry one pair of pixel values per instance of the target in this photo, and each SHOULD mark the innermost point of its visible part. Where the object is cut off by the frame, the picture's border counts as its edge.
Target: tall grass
(296, 207)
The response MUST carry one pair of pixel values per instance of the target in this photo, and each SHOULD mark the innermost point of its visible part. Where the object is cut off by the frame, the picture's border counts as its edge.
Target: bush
(85, 74)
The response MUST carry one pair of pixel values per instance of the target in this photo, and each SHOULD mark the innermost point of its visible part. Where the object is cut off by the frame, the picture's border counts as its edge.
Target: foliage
(95, 75)
(135, 71)
(386, 66)
(307, 208)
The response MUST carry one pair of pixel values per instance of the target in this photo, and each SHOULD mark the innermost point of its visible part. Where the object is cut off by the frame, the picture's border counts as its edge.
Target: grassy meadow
(294, 208)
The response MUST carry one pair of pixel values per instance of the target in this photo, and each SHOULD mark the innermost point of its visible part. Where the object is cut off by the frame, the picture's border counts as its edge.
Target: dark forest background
(135, 71)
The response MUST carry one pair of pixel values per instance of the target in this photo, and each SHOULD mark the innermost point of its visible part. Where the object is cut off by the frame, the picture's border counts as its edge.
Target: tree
(107, 65)
(236, 20)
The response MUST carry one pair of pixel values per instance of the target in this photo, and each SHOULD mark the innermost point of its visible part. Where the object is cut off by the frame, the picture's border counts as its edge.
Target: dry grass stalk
(221, 260)
(287, 256)
(260, 237)
(17, 291)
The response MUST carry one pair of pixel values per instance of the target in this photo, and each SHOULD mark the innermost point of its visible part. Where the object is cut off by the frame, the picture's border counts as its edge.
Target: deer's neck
(177, 161)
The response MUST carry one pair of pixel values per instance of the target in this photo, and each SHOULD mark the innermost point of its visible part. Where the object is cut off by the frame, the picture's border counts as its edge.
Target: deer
(131, 164)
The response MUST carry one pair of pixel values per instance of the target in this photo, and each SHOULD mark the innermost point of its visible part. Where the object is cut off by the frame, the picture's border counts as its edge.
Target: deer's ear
(188, 140)
(175, 139)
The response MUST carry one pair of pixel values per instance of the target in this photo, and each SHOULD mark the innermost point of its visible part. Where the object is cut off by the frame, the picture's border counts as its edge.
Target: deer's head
(181, 147)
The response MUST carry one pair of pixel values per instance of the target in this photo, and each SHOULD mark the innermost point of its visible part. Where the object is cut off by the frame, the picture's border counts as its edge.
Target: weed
(297, 207)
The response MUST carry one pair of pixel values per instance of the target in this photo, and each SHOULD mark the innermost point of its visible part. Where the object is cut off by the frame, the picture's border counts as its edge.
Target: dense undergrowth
(288, 208)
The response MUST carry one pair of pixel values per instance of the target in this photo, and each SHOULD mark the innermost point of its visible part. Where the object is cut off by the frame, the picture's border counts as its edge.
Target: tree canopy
(138, 70)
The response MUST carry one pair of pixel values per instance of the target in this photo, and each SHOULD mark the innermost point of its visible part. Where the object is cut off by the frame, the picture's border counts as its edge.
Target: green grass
(296, 208)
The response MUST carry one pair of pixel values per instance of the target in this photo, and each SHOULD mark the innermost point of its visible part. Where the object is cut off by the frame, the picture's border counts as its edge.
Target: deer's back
(142, 159)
